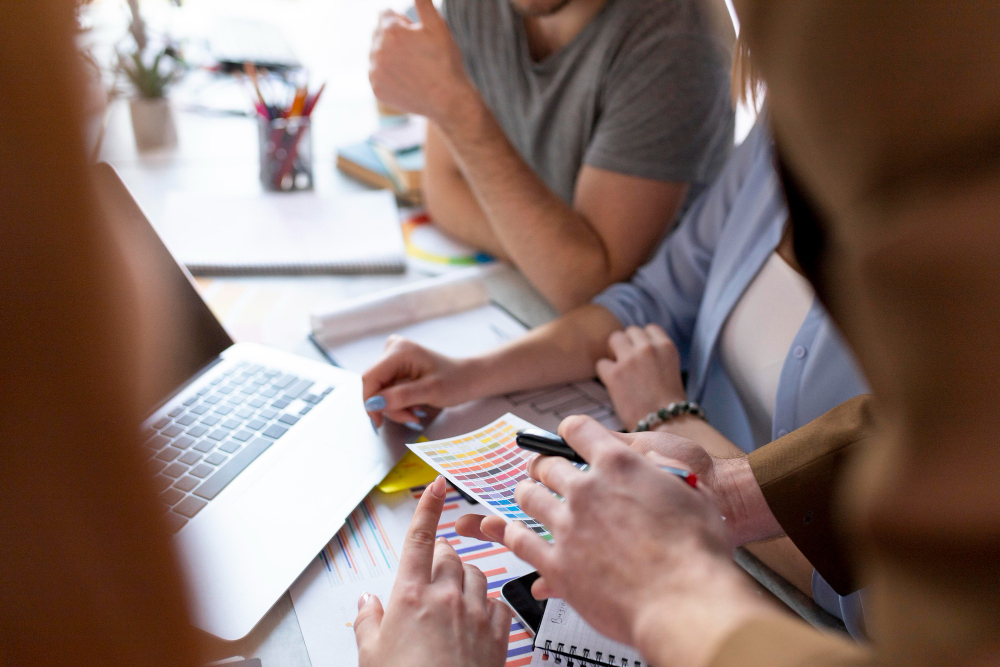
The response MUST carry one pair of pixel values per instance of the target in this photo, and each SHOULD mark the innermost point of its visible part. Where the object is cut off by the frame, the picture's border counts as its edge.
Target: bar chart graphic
(364, 557)
(361, 550)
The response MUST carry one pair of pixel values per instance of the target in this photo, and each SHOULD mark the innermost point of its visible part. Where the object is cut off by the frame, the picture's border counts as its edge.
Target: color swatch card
(487, 464)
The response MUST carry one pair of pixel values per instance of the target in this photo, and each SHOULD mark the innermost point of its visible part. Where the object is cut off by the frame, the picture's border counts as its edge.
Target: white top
(757, 336)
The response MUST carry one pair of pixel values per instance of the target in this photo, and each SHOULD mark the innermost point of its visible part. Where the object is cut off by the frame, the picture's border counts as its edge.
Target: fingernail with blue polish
(375, 403)
(413, 426)
(419, 413)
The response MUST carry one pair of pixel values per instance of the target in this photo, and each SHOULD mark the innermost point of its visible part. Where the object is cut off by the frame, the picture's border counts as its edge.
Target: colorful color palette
(487, 464)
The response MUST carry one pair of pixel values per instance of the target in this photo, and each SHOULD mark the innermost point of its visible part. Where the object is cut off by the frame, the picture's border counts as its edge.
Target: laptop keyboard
(205, 441)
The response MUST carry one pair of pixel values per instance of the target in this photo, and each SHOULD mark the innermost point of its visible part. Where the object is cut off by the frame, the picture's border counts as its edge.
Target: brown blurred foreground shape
(86, 571)
(887, 115)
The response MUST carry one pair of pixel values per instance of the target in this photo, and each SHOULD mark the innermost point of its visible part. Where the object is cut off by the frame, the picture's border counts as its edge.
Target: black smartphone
(517, 594)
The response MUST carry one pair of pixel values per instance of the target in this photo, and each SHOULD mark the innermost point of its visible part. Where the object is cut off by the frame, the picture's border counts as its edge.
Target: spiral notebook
(566, 640)
(284, 234)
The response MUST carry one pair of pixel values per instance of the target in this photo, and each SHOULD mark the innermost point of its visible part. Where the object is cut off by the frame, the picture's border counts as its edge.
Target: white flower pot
(153, 123)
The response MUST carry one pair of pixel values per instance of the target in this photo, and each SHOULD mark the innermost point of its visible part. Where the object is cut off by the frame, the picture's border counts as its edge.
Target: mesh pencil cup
(286, 160)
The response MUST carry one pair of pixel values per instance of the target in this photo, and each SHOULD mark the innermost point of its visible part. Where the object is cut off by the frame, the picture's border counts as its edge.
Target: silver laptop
(258, 455)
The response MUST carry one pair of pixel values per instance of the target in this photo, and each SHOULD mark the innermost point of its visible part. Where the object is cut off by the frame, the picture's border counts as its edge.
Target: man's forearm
(456, 212)
(450, 201)
(540, 232)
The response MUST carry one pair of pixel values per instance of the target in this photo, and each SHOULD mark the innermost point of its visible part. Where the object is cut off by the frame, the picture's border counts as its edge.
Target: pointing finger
(418, 548)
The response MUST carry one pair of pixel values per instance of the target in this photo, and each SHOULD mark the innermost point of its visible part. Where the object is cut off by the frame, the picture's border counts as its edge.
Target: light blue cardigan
(692, 284)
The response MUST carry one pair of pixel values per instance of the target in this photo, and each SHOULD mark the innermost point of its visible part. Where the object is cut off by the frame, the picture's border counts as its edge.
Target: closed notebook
(565, 639)
(361, 162)
(283, 233)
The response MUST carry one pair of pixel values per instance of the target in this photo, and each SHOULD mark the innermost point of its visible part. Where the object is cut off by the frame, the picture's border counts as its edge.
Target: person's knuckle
(396, 342)
(449, 596)
(409, 593)
(433, 384)
(618, 458)
(422, 537)
(571, 425)
(477, 617)
(577, 501)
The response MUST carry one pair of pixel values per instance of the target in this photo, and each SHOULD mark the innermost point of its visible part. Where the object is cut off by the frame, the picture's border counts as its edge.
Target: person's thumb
(368, 622)
(428, 13)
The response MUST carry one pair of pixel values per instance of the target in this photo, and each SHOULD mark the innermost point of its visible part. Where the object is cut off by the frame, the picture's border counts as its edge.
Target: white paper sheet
(474, 332)
(463, 334)
(398, 308)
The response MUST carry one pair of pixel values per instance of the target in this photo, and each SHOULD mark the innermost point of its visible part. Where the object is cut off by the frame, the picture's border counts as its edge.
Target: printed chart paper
(364, 557)
(487, 464)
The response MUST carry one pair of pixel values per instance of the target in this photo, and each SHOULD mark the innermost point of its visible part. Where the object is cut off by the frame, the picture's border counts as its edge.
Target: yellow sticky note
(411, 471)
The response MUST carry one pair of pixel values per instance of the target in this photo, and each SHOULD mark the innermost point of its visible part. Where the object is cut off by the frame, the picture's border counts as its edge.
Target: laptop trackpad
(246, 547)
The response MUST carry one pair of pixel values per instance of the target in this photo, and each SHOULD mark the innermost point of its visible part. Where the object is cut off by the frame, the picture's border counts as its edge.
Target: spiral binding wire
(584, 659)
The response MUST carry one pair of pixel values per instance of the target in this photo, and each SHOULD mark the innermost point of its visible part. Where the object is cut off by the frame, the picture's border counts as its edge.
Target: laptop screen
(185, 335)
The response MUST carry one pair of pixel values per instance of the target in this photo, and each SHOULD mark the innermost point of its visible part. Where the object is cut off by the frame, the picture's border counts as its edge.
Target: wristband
(654, 419)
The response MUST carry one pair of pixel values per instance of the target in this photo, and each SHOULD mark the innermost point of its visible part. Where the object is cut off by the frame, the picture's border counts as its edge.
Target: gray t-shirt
(643, 90)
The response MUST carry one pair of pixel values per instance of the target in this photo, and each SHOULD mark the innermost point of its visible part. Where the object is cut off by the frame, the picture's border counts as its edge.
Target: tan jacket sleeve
(798, 475)
(787, 642)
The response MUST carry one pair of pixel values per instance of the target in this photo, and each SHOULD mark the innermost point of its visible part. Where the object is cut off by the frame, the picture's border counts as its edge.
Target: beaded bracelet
(654, 419)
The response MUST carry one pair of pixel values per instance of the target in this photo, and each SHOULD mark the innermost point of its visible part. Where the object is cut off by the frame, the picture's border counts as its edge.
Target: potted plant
(150, 71)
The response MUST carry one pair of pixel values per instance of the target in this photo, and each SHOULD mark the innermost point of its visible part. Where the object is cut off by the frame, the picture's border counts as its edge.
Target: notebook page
(215, 232)
(564, 633)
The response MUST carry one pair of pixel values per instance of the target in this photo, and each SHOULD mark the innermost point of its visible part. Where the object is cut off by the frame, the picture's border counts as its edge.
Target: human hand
(736, 492)
(410, 384)
(642, 372)
(748, 516)
(641, 555)
(418, 67)
(438, 613)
